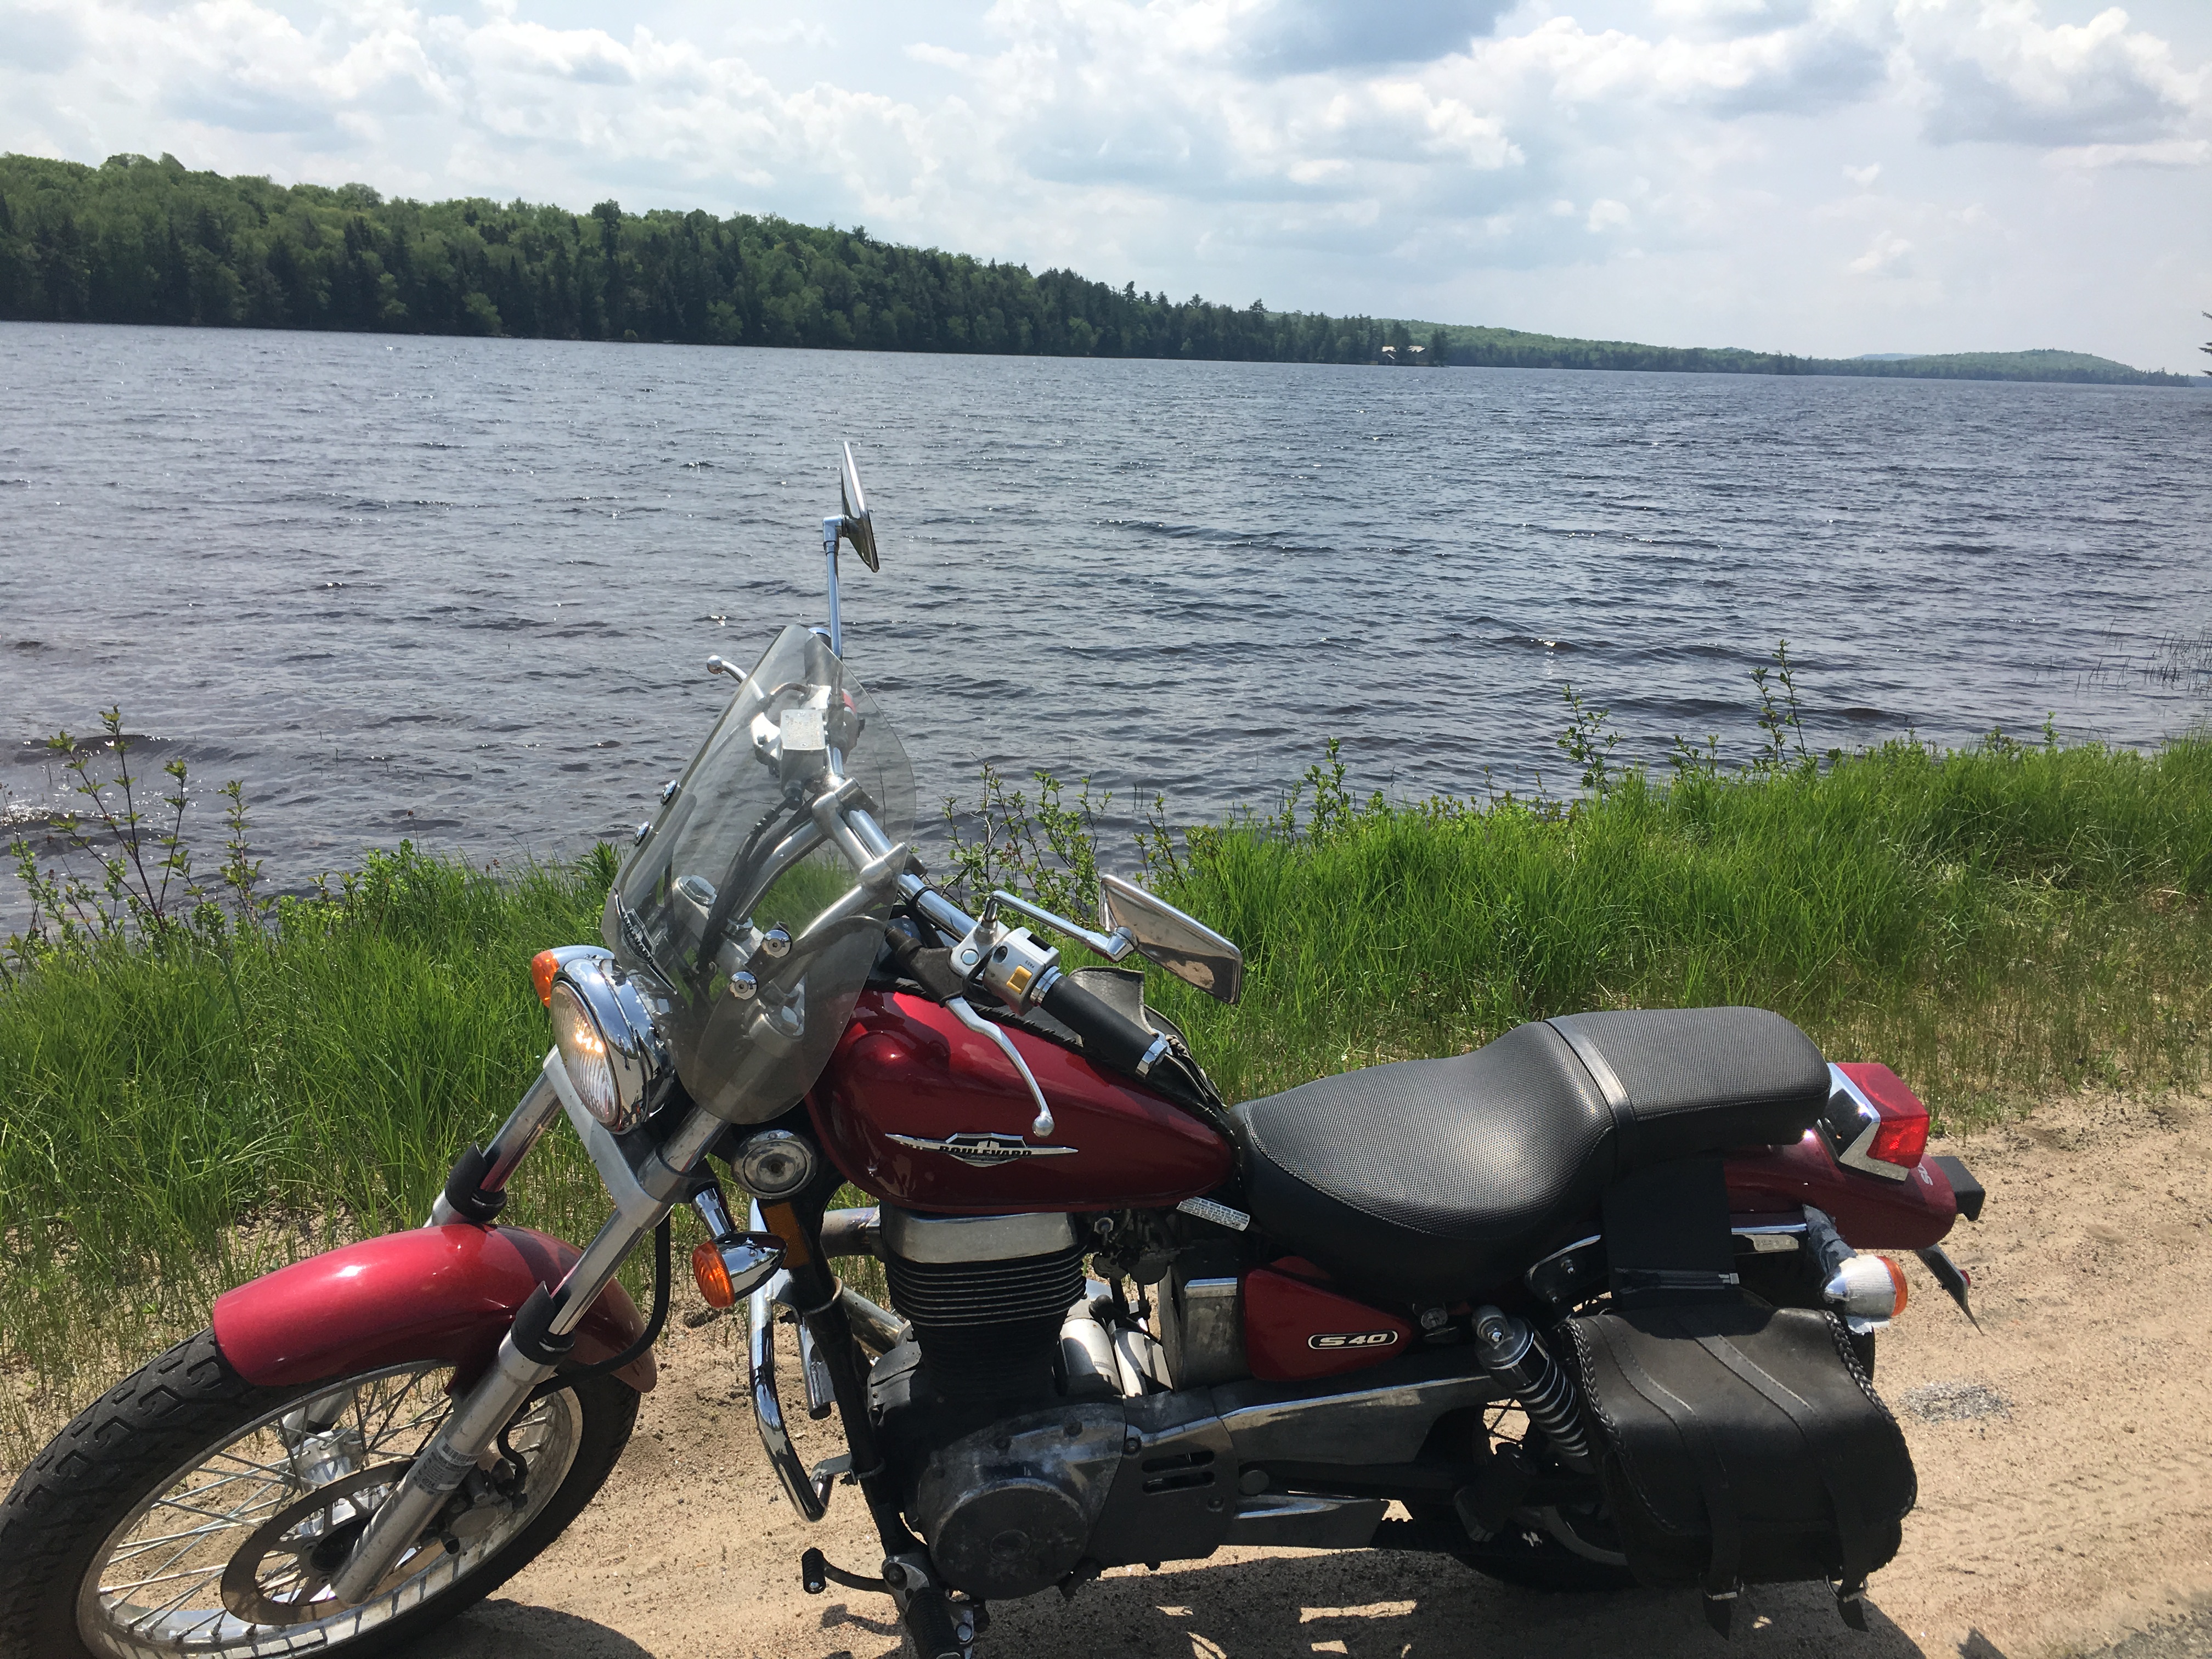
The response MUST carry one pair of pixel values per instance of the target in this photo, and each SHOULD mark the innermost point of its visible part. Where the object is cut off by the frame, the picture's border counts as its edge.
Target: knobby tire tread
(137, 1436)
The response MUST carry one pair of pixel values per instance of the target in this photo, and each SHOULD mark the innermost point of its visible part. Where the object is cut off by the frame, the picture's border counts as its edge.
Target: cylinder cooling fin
(987, 1322)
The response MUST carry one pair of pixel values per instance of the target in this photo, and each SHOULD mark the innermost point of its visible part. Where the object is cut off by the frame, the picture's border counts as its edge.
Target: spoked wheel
(190, 1512)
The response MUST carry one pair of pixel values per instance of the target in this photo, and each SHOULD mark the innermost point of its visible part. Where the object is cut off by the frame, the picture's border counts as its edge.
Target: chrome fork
(543, 1330)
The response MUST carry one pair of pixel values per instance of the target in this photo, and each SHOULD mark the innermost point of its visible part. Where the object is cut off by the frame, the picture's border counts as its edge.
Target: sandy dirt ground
(2065, 1487)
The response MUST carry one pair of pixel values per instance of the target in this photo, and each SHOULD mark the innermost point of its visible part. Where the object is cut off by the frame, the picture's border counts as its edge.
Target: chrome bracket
(1113, 947)
(809, 1492)
(633, 1200)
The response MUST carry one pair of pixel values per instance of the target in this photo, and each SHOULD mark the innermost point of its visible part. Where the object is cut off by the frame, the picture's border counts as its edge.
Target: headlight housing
(604, 1030)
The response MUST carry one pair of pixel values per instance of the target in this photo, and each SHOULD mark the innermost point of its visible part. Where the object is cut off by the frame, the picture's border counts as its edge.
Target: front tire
(162, 1510)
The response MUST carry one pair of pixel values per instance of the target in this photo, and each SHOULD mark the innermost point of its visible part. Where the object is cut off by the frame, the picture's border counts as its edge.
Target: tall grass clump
(1994, 922)
(201, 1082)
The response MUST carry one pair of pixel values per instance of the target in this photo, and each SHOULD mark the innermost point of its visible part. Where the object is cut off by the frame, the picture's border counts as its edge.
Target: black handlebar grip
(1114, 1039)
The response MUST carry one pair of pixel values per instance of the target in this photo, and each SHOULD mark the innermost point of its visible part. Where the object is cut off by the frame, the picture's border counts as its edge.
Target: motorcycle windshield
(736, 855)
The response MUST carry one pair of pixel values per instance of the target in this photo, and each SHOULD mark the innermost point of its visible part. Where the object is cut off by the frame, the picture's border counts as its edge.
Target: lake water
(461, 590)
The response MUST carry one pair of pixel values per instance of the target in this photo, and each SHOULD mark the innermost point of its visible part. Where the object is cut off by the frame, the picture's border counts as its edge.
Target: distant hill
(1505, 348)
(134, 240)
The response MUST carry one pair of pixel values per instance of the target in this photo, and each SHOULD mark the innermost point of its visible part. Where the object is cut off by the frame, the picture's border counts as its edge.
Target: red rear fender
(1870, 1211)
(444, 1293)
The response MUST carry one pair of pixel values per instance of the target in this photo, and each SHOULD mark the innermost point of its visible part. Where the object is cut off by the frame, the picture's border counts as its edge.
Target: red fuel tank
(919, 1111)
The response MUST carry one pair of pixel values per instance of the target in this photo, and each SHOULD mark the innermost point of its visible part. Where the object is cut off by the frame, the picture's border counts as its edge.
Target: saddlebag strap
(1723, 1570)
(1852, 1528)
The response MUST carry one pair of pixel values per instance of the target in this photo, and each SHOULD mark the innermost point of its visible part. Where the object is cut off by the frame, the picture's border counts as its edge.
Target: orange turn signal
(1896, 1278)
(714, 1278)
(543, 967)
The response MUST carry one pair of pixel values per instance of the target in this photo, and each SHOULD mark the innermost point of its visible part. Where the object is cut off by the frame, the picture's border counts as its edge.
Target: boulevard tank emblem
(981, 1150)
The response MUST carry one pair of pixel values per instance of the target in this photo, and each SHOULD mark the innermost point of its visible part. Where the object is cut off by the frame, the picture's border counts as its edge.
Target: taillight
(1900, 1140)
(1874, 1122)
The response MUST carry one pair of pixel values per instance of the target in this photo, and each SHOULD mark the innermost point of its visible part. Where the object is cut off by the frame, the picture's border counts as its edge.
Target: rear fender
(1871, 1212)
(435, 1293)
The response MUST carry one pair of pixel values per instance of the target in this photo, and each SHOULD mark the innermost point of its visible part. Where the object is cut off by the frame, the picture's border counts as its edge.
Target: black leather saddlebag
(1740, 1443)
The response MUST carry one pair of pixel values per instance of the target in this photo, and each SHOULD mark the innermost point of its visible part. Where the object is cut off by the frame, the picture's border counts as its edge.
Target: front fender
(445, 1293)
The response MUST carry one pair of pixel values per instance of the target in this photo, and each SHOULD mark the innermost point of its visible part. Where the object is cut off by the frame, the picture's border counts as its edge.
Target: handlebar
(1117, 1040)
(1110, 1037)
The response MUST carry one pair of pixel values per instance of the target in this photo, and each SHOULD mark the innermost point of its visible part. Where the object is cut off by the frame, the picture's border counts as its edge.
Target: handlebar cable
(718, 920)
(636, 1350)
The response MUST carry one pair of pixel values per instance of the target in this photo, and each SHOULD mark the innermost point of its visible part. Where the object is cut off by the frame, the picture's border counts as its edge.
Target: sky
(1825, 177)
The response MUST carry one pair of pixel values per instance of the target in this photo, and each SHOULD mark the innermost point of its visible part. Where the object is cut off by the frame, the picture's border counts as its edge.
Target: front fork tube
(477, 1187)
(542, 1332)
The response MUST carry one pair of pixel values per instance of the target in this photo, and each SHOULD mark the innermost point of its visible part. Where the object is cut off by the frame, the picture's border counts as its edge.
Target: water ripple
(465, 590)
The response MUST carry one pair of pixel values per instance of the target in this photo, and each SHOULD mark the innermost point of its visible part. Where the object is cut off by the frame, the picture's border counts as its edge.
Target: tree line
(134, 240)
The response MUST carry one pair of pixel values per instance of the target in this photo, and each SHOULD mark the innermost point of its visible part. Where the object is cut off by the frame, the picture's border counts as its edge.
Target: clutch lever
(1042, 1126)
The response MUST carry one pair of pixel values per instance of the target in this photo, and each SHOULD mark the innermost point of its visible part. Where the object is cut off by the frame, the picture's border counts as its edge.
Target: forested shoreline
(134, 240)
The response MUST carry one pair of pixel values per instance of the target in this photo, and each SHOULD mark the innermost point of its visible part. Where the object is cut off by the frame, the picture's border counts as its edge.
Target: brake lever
(1042, 1126)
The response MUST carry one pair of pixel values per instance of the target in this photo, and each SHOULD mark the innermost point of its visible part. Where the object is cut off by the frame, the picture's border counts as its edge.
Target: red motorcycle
(1586, 1305)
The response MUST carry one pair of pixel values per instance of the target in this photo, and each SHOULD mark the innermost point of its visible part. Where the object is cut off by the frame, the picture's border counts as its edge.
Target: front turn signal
(543, 967)
(735, 1265)
(714, 1278)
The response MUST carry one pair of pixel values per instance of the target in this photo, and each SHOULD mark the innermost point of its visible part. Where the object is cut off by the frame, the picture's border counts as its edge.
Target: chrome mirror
(859, 528)
(1182, 944)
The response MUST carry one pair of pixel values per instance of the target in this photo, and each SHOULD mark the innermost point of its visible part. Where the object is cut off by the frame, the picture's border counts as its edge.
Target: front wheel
(189, 1511)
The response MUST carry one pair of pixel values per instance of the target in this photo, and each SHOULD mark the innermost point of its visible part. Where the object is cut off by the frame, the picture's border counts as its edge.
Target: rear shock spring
(1510, 1352)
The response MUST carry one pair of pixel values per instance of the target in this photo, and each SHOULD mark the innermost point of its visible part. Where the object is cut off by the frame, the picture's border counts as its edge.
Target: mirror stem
(831, 528)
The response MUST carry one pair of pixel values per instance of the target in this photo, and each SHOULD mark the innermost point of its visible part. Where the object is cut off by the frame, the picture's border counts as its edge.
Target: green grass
(1995, 923)
(180, 1119)
(1999, 924)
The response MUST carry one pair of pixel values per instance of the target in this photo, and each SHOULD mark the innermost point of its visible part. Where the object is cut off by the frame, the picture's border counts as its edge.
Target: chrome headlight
(605, 1031)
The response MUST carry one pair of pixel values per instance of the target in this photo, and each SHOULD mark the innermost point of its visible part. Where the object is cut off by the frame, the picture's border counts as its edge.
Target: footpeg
(1485, 1505)
(939, 1627)
(816, 1575)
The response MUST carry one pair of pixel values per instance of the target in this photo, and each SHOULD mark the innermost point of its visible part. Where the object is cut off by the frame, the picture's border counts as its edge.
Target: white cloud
(2160, 153)
(1449, 157)
(1995, 71)
(1885, 256)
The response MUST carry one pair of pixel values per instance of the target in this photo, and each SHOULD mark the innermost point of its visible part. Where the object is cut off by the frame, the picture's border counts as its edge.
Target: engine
(1012, 1509)
(1008, 1464)
(1039, 1435)
(987, 1296)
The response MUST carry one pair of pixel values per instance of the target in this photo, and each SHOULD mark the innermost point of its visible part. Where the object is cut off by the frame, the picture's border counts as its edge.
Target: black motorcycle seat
(1429, 1179)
